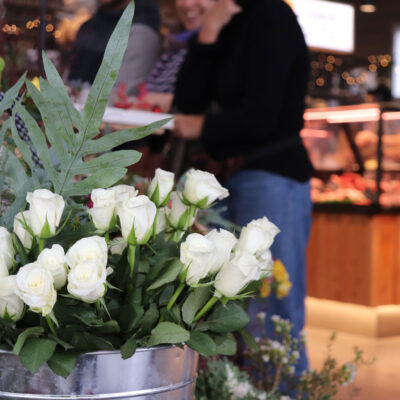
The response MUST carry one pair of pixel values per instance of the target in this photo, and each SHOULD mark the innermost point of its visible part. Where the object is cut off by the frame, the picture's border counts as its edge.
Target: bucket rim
(112, 352)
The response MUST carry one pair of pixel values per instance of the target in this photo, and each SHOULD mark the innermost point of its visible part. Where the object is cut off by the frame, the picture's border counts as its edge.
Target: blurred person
(241, 92)
(141, 53)
(160, 84)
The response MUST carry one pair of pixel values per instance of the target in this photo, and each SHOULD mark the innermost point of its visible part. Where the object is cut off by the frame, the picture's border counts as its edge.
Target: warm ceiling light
(368, 6)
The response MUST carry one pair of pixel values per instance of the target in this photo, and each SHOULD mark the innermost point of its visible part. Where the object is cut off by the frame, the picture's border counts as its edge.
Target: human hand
(188, 127)
(216, 18)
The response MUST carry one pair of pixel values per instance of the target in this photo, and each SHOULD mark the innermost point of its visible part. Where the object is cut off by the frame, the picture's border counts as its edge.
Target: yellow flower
(265, 288)
(279, 272)
(36, 82)
(283, 289)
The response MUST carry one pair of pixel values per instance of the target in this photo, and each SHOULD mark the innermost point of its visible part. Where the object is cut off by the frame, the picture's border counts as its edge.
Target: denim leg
(287, 203)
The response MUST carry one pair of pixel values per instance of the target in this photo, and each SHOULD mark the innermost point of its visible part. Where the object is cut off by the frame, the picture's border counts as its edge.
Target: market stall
(354, 254)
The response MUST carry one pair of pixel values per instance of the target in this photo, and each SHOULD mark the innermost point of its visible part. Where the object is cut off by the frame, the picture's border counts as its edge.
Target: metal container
(159, 373)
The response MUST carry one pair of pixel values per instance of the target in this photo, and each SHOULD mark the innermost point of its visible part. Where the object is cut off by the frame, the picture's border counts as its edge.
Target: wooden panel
(355, 258)
(338, 258)
(383, 259)
(396, 273)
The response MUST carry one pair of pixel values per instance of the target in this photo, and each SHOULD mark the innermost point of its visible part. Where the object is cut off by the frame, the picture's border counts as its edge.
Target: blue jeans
(286, 202)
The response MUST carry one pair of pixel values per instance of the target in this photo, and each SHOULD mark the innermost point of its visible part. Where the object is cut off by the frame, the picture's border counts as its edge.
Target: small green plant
(272, 371)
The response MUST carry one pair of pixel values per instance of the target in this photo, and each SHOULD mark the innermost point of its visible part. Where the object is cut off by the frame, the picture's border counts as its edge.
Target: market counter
(354, 257)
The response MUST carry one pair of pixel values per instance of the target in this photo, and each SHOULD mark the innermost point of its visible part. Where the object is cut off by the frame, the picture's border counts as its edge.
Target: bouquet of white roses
(126, 272)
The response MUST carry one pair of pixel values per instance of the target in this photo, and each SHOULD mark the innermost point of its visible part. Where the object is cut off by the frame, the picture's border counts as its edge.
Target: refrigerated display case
(354, 249)
(355, 151)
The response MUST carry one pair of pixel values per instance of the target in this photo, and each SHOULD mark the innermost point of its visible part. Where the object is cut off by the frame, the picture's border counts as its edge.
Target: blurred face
(191, 12)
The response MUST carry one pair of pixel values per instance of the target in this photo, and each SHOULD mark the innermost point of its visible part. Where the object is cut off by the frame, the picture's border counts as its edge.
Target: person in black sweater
(241, 92)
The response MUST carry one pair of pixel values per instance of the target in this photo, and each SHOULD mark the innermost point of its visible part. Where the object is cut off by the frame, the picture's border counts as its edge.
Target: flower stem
(107, 237)
(51, 326)
(42, 243)
(178, 291)
(155, 224)
(192, 213)
(207, 307)
(131, 259)
(98, 308)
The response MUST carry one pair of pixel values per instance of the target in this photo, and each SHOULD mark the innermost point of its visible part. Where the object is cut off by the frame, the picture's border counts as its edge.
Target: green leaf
(59, 129)
(103, 178)
(226, 344)
(128, 349)
(100, 91)
(167, 333)
(18, 205)
(249, 340)
(109, 327)
(39, 142)
(62, 363)
(18, 246)
(57, 83)
(225, 319)
(26, 334)
(194, 302)
(62, 343)
(36, 352)
(169, 274)
(130, 316)
(120, 158)
(115, 139)
(98, 342)
(22, 146)
(14, 171)
(149, 319)
(202, 343)
(11, 94)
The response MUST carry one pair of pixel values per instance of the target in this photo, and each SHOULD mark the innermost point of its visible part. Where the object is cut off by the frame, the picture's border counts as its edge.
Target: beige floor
(379, 381)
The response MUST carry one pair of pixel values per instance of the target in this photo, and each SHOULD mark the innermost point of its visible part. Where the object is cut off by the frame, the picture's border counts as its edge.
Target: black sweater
(251, 86)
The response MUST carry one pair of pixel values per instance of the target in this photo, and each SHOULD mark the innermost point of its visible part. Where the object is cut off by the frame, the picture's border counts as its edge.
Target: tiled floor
(379, 381)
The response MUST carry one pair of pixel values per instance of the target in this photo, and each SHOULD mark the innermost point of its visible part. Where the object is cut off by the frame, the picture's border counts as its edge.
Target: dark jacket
(251, 86)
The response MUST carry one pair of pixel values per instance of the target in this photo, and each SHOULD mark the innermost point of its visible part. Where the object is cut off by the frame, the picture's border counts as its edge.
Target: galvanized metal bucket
(159, 373)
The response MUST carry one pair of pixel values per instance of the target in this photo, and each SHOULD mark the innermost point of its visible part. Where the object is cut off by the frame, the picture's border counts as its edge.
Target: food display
(343, 145)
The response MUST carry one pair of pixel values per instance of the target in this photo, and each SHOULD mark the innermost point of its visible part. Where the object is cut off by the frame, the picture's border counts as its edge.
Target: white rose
(87, 249)
(197, 254)
(267, 262)
(10, 304)
(117, 245)
(54, 261)
(19, 229)
(6, 247)
(35, 286)
(137, 215)
(257, 237)
(164, 182)
(45, 206)
(161, 224)
(122, 193)
(178, 215)
(237, 273)
(103, 210)
(224, 242)
(202, 189)
(86, 281)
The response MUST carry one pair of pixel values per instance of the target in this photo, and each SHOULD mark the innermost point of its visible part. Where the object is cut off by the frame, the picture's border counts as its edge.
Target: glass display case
(355, 151)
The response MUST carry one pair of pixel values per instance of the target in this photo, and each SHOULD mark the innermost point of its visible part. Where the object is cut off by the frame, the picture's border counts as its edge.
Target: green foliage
(222, 380)
(71, 134)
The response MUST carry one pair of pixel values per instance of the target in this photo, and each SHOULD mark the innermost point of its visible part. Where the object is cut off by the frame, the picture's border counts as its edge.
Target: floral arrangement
(127, 271)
